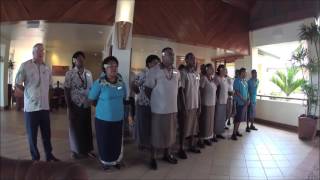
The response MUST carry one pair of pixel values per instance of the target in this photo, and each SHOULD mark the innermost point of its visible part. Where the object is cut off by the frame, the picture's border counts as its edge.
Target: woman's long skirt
(206, 123)
(220, 118)
(163, 130)
(229, 107)
(80, 131)
(110, 141)
(190, 124)
(143, 125)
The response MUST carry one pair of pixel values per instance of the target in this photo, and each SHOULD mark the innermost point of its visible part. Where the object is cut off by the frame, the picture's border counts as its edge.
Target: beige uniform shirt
(224, 87)
(164, 90)
(190, 81)
(208, 95)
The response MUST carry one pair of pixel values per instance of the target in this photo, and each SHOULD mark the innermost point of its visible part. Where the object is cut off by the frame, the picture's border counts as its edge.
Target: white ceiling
(63, 36)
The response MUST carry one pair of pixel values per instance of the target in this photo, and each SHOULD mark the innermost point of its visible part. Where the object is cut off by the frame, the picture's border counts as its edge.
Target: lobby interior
(254, 34)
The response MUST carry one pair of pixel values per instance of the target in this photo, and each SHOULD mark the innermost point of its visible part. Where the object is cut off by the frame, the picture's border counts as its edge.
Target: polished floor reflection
(265, 154)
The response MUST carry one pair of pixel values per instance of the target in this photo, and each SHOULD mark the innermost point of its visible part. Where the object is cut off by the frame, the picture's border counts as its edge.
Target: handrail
(279, 97)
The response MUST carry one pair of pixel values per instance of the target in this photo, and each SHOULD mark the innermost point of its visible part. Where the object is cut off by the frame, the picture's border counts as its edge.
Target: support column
(4, 57)
(120, 42)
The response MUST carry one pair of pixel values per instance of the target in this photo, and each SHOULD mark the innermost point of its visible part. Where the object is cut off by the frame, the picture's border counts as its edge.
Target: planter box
(307, 128)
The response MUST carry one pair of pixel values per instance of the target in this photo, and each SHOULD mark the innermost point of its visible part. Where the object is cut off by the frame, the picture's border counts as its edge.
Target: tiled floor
(265, 154)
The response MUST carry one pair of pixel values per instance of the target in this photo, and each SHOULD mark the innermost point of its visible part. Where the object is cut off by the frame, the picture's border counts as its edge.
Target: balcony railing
(280, 98)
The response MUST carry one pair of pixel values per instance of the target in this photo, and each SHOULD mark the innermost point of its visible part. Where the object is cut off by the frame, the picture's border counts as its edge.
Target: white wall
(280, 112)
(245, 62)
(142, 47)
(277, 34)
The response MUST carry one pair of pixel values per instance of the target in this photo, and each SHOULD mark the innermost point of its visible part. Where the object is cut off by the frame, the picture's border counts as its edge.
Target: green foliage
(287, 82)
(303, 58)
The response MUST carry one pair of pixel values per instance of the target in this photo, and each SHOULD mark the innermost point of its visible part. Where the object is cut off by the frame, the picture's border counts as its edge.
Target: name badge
(119, 88)
(175, 72)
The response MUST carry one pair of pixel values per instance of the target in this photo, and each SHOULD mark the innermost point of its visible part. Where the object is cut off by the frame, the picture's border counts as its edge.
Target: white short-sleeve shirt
(230, 83)
(190, 81)
(36, 79)
(164, 90)
(208, 95)
(224, 86)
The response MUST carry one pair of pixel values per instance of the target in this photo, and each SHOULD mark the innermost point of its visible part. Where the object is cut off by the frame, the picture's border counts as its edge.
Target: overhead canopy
(215, 23)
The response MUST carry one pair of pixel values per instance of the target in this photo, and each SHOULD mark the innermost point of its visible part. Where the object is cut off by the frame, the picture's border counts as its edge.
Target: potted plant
(307, 58)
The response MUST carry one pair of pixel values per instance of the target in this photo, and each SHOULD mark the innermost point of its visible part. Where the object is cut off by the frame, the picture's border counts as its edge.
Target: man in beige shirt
(33, 81)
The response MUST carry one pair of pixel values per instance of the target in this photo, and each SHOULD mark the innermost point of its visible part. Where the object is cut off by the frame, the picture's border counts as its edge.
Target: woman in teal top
(240, 87)
(109, 91)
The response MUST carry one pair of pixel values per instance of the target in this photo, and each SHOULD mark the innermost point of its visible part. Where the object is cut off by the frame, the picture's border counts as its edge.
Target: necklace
(84, 82)
(168, 73)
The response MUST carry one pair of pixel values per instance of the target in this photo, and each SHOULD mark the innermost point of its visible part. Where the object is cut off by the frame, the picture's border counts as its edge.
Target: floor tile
(269, 164)
(272, 172)
(254, 164)
(238, 172)
(256, 172)
(265, 154)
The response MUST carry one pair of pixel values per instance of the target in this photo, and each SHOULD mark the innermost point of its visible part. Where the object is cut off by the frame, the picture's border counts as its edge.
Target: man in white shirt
(189, 128)
(161, 86)
(33, 81)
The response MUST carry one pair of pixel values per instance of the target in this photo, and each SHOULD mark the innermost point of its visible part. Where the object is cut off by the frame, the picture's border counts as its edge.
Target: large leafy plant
(308, 60)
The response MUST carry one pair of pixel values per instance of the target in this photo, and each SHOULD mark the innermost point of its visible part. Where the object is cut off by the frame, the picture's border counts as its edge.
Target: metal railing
(280, 97)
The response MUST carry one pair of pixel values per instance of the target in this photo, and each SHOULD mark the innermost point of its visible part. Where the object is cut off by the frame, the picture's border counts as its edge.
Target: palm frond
(288, 82)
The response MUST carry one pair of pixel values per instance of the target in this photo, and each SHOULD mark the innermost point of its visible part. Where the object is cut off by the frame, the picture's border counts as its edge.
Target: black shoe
(200, 144)
(220, 136)
(247, 129)
(52, 159)
(252, 127)
(153, 164)
(170, 159)
(207, 142)
(226, 127)
(105, 167)
(238, 134)
(118, 166)
(234, 137)
(214, 139)
(78, 156)
(182, 154)
(194, 150)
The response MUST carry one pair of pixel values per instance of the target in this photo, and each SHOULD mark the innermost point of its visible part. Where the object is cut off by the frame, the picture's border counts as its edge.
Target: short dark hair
(152, 58)
(253, 71)
(219, 68)
(181, 67)
(108, 60)
(189, 55)
(76, 55)
(242, 70)
(166, 49)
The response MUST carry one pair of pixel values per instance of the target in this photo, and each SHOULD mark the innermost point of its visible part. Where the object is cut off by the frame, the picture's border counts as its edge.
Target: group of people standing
(170, 103)
(196, 106)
